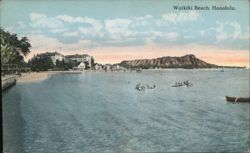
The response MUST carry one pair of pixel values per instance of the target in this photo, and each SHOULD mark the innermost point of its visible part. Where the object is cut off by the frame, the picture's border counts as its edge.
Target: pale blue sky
(91, 24)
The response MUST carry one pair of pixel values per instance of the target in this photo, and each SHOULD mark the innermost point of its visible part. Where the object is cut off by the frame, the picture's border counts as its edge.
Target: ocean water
(103, 112)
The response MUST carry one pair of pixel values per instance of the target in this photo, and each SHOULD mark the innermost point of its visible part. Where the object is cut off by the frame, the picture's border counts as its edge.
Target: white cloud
(160, 23)
(55, 24)
(118, 40)
(36, 16)
(44, 43)
(9, 29)
(80, 44)
(236, 34)
(115, 29)
(141, 21)
(220, 30)
(42, 21)
(117, 25)
(188, 37)
(156, 33)
(70, 34)
(90, 31)
(66, 18)
(36, 32)
(222, 36)
(166, 36)
(171, 36)
(96, 24)
(21, 25)
(202, 32)
(60, 30)
(145, 17)
(181, 17)
(70, 19)
(220, 27)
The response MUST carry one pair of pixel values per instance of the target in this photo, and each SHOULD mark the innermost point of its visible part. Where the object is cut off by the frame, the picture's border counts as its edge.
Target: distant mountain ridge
(187, 61)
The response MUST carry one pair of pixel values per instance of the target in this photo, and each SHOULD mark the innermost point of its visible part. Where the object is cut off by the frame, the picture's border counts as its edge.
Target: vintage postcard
(82, 76)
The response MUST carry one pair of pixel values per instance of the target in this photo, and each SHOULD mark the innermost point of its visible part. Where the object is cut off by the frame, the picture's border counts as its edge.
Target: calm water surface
(102, 112)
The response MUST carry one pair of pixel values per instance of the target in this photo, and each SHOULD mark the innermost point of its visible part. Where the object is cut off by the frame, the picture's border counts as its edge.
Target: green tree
(41, 63)
(13, 49)
(87, 65)
(62, 65)
(92, 62)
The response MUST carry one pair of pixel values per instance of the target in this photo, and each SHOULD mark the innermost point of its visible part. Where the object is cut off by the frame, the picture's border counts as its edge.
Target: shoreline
(31, 77)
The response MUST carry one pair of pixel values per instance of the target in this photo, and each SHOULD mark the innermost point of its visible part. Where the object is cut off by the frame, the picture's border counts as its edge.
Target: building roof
(77, 56)
(50, 54)
(82, 63)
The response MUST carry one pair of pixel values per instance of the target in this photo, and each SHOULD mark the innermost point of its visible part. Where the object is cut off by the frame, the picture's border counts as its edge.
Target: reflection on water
(103, 112)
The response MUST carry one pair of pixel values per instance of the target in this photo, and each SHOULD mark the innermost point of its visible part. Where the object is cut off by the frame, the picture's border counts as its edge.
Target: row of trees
(44, 63)
(13, 49)
(40, 63)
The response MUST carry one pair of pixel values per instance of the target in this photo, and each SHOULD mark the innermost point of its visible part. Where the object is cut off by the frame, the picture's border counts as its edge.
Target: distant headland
(188, 61)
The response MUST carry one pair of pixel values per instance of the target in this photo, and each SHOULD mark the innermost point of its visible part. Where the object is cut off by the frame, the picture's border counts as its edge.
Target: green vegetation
(62, 65)
(87, 65)
(13, 49)
(45, 63)
(93, 62)
(38, 63)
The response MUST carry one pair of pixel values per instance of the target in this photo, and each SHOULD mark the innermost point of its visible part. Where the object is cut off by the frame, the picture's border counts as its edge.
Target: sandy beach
(40, 76)
(32, 77)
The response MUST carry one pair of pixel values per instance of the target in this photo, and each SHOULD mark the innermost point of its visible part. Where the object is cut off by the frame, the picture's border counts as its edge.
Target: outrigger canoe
(187, 85)
(238, 99)
(177, 85)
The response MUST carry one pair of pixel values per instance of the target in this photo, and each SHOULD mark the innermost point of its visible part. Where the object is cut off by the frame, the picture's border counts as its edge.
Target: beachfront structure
(55, 56)
(79, 58)
(81, 66)
(117, 67)
(98, 67)
(107, 66)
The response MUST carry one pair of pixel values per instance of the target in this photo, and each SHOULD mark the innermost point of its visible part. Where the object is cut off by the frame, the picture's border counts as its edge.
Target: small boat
(140, 88)
(180, 84)
(238, 99)
(189, 85)
(177, 85)
(151, 87)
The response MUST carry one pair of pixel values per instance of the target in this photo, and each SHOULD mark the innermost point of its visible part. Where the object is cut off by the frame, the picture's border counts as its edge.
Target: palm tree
(12, 48)
(24, 46)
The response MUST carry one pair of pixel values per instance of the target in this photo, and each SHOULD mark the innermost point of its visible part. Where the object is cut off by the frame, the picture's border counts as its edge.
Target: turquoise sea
(103, 112)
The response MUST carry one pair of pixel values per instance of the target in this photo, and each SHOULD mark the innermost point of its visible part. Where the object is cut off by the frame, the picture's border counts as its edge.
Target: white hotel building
(55, 56)
(79, 58)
